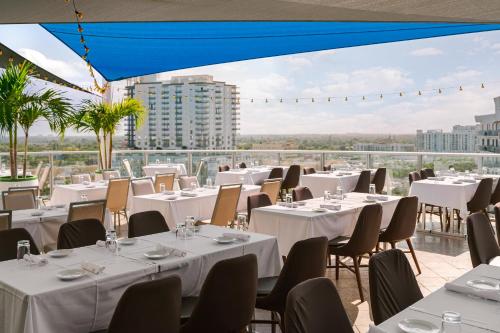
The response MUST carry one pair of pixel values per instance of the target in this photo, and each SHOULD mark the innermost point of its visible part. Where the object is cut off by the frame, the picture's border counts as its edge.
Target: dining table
(248, 176)
(151, 170)
(322, 181)
(35, 299)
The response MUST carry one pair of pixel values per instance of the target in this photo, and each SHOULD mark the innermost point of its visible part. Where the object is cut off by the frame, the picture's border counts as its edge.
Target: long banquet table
(320, 182)
(290, 225)
(251, 176)
(178, 168)
(200, 206)
(68, 193)
(478, 314)
(33, 299)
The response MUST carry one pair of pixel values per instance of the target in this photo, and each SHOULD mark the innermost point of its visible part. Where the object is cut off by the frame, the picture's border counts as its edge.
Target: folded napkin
(436, 178)
(175, 252)
(188, 194)
(35, 260)
(37, 213)
(242, 237)
(468, 180)
(493, 295)
(101, 243)
(168, 192)
(323, 172)
(92, 268)
(375, 329)
(331, 206)
(377, 197)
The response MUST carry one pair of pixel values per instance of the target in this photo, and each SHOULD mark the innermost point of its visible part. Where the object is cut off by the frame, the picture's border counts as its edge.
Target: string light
(281, 100)
(461, 89)
(345, 99)
(439, 90)
(381, 96)
(482, 85)
(328, 99)
(312, 100)
(401, 94)
(364, 98)
(419, 93)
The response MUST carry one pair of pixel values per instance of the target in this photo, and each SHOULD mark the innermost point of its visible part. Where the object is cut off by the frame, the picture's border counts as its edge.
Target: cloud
(454, 79)
(426, 51)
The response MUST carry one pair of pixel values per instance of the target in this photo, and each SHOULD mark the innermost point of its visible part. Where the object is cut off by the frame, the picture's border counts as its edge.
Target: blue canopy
(123, 50)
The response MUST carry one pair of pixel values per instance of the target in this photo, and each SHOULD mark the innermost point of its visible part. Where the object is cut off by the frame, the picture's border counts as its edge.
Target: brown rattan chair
(110, 174)
(481, 239)
(256, 201)
(151, 306)
(80, 233)
(18, 199)
(327, 167)
(309, 171)
(306, 260)
(165, 178)
(146, 223)
(142, 186)
(402, 226)
(413, 177)
(426, 173)
(38, 169)
(82, 210)
(226, 204)
(128, 168)
(276, 173)
(5, 219)
(379, 179)
(80, 178)
(495, 196)
(496, 210)
(223, 168)
(44, 176)
(363, 184)
(272, 188)
(362, 241)
(393, 286)
(8, 243)
(185, 182)
(291, 180)
(116, 198)
(301, 193)
(243, 165)
(313, 305)
(227, 298)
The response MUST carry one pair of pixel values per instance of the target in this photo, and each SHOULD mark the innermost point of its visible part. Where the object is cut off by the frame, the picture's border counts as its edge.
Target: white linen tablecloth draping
(290, 225)
(178, 168)
(175, 211)
(251, 176)
(33, 299)
(478, 315)
(318, 183)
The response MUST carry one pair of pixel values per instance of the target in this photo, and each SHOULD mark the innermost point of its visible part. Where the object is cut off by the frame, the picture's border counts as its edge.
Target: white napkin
(242, 237)
(468, 180)
(436, 178)
(175, 252)
(92, 268)
(331, 206)
(375, 329)
(188, 194)
(36, 260)
(100, 243)
(466, 290)
(377, 197)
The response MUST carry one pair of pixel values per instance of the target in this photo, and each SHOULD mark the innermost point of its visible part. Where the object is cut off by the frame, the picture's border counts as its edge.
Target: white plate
(224, 240)
(417, 326)
(71, 274)
(60, 253)
(300, 203)
(483, 285)
(37, 213)
(369, 200)
(127, 241)
(319, 210)
(158, 254)
(171, 197)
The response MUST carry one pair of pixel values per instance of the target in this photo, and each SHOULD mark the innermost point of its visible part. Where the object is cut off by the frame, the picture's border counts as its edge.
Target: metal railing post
(322, 161)
(233, 159)
(368, 160)
(52, 169)
(279, 159)
(146, 157)
(420, 161)
(190, 163)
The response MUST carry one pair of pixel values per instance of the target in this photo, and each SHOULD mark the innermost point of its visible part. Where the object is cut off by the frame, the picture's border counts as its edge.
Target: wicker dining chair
(5, 219)
(116, 198)
(276, 173)
(223, 168)
(185, 182)
(44, 177)
(291, 180)
(426, 173)
(128, 168)
(309, 171)
(80, 178)
(81, 210)
(165, 178)
(142, 186)
(8, 243)
(327, 167)
(481, 239)
(379, 179)
(38, 169)
(256, 201)
(495, 195)
(18, 199)
(363, 184)
(226, 204)
(243, 165)
(80, 233)
(110, 174)
(272, 188)
(301, 193)
(146, 223)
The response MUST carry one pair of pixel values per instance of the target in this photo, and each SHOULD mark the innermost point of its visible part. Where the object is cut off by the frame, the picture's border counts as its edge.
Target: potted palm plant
(20, 109)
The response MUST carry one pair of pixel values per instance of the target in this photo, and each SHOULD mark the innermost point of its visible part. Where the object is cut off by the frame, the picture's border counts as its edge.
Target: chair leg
(412, 251)
(393, 245)
(419, 213)
(358, 278)
(337, 267)
(273, 325)
(441, 217)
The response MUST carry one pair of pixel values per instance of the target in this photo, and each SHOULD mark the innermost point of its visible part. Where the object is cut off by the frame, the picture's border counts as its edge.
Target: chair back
(482, 196)
(243, 165)
(426, 173)
(413, 177)
(379, 179)
(5, 219)
(393, 286)
(142, 186)
(256, 201)
(301, 193)
(17, 199)
(403, 221)
(146, 223)
(495, 196)
(128, 168)
(117, 194)
(227, 297)
(327, 167)
(223, 168)
(110, 174)
(185, 182)
(151, 306)
(309, 171)
(306, 260)
(38, 168)
(364, 238)
(226, 204)
(80, 178)
(83, 210)
(8, 243)
(165, 178)
(496, 210)
(80, 233)
(480, 237)
(44, 177)
(363, 184)
(313, 305)
(272, 188)
(276, 173)
(292, 177)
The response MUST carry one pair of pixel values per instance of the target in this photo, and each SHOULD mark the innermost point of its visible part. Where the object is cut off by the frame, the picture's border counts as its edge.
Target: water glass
(194, 186)
(180, 230)
(80, 179)
(162, 187)
(289, 200)
(83, 197)
(340, 192)
(451, 322)
(237, 166)
(326, 195)
(189, 227)
(209, 182)
(39, 202)
(242, 222)
(23, 248)
(157, 161)
(111, 243)
(372, 189)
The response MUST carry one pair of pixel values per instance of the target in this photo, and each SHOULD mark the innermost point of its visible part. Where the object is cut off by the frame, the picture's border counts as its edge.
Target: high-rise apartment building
(489, 130)
(186, 112)
(462, 139)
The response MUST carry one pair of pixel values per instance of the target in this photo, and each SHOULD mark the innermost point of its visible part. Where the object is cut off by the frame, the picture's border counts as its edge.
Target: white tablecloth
(178, 168)
(251, 176)
(33, 300)
(201, 206)
(471, 309)
(318, 183)
(290, 225)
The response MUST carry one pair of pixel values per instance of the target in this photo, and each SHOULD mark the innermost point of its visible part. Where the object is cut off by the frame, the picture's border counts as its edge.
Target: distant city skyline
(466, 60)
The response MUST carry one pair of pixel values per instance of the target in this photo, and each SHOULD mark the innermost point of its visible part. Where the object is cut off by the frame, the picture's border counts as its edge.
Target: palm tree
(49, 105)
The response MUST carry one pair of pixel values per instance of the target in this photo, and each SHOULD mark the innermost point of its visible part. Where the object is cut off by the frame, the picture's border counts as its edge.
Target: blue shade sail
(123, 50)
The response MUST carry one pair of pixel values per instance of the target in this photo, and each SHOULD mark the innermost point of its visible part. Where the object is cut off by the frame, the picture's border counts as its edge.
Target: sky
(422, 65)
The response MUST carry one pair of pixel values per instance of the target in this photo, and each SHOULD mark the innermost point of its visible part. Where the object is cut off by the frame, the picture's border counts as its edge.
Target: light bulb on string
(329, 99)
(345, 98)
(439, 91)
(281, 100)
(266, 100)
(482, 85)
(364, 98)
(401, 94)
(381, 96)
(461, 89)
(312, 100)
(296, 100)
(419, 93)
